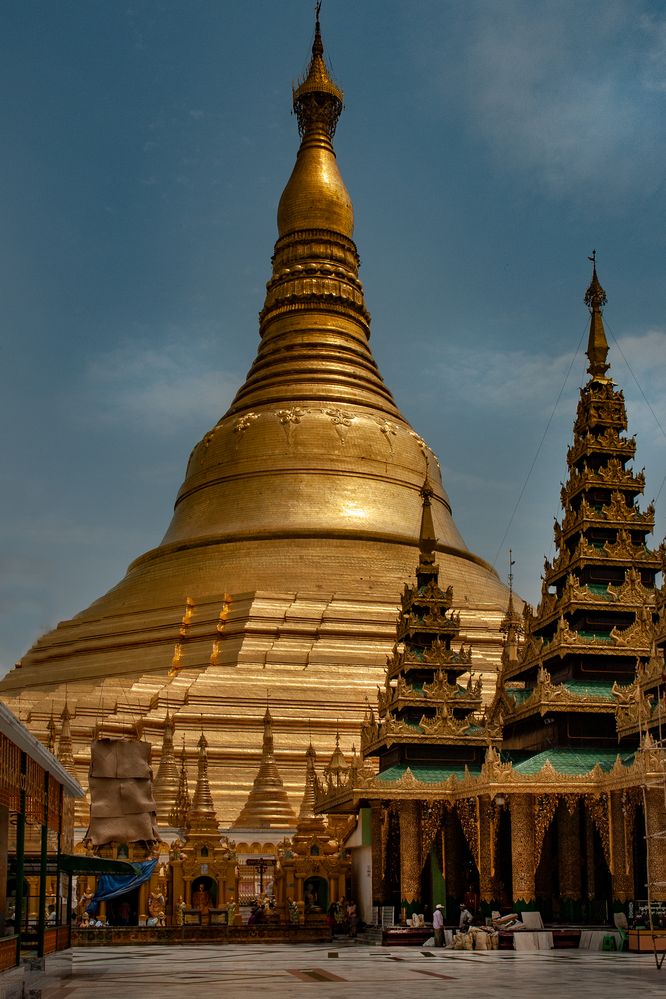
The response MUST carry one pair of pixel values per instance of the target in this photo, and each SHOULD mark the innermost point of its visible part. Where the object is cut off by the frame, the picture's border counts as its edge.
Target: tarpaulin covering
(122, 807)
(113, 885)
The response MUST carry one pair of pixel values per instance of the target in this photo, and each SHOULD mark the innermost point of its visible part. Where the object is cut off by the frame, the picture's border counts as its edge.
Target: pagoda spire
(267, 804)
(182, 801)
(593, 623)
(202, 815)
(309, 823)
(317, 98)
(51, 733)
(597, 344)
(337, 766)
(65, 746)
(427, 568)
(166, 782)
(511, 623)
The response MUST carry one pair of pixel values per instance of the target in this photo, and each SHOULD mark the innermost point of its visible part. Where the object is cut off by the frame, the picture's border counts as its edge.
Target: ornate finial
(427, 536)
(317, 45)
(510, 625)
(317, 99)
(597, 344)
(595, 296)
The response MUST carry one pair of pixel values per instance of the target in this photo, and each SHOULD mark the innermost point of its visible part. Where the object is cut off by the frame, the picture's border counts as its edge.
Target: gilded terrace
(602, 405)
(609, 441)
(612, 476)
(576, 596)
(616, 514)
(593, 696)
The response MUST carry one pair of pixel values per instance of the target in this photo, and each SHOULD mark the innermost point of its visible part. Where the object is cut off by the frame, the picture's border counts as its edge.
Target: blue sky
(487, 146)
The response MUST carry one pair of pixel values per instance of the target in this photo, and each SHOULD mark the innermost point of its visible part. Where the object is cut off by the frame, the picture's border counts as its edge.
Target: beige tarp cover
(122, 807)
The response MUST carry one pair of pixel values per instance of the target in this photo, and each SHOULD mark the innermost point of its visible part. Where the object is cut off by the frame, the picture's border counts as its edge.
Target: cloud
(504, 379)
(160, 386)
(641, 370)
(566, 92)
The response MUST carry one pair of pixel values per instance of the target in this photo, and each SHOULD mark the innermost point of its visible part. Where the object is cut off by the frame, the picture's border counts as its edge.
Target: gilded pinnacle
(427, 536)
(597, 344)
(317, 99)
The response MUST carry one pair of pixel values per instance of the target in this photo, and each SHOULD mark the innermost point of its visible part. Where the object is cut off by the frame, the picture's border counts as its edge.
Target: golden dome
(293, 533)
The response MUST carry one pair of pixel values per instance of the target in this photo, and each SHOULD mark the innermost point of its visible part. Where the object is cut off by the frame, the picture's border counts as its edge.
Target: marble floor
(341, 970)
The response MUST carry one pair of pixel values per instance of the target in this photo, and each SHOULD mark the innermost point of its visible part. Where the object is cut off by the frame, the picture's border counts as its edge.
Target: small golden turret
(165, 787)
(309, 823)
(202, 816)
(65, 746)
(267, 805)
(182, 801)
(512, 624)
(51, 734)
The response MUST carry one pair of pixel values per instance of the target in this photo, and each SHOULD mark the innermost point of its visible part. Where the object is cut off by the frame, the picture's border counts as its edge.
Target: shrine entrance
(256, 877)
(316, 895)
(124, 910)
(204, 893)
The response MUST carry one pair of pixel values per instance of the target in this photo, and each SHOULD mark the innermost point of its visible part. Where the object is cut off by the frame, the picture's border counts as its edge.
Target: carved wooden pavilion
(542, 801)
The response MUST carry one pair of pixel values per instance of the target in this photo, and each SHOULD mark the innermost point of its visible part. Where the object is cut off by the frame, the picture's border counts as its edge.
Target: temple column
(655, 820)
(4, 851)
(589, 856)
(522, 850)
(451, 863)
(410, 857)
(487, 844)
(377, 847)
(623, 867)
(568, 859)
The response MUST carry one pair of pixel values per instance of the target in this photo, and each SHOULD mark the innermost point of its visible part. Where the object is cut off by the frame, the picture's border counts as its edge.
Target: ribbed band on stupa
(267, 806)
(292, 533)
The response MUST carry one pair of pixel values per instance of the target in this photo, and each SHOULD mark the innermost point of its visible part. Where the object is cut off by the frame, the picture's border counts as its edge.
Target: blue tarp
(113, 885)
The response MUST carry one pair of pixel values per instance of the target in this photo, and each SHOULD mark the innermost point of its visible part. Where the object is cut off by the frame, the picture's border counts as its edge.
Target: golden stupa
(292, 536)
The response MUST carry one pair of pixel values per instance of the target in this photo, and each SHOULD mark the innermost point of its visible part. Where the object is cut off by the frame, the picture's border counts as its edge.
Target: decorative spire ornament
(597, 344)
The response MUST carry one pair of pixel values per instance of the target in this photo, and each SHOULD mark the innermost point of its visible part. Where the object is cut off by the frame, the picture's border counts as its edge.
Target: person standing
(466, 918)
(352, 918)
(438, 925)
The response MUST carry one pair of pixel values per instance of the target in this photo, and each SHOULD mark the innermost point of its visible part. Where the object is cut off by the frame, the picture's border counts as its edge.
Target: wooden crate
(640, 941)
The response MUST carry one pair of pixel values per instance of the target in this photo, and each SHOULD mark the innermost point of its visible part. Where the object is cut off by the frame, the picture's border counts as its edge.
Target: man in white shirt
(438, 925)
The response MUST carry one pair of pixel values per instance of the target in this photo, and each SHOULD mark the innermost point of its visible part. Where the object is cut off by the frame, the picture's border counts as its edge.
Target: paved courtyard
(342, 970)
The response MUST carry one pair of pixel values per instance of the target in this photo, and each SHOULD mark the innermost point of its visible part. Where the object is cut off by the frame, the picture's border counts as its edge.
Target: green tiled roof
(600, 590)
(599, 636)
(572, 761)
(518, 696)
(427, 774)
(600, 690)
